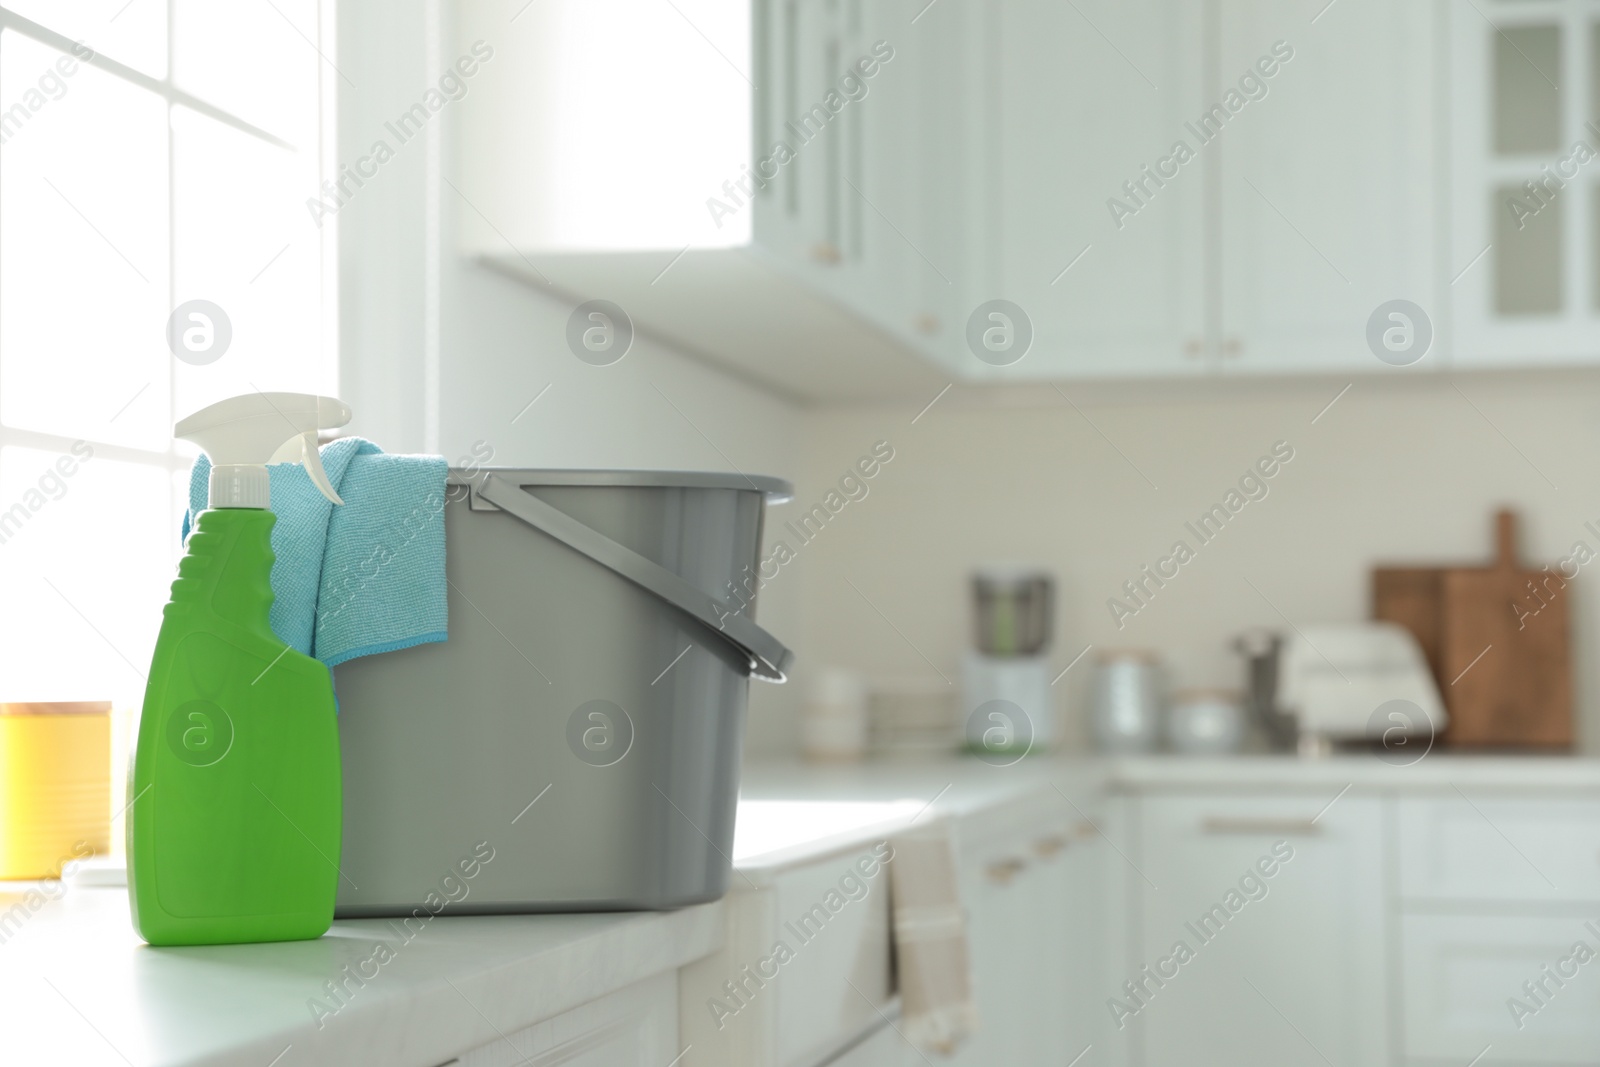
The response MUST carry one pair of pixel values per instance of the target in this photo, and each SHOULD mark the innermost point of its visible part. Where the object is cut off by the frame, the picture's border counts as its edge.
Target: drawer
(1499, 849)
(884, 1048)
(838, 983)
(1461, 972)
(633, 1027)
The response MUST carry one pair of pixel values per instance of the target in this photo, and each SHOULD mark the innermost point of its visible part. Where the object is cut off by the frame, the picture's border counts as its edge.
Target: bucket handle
(768, 657)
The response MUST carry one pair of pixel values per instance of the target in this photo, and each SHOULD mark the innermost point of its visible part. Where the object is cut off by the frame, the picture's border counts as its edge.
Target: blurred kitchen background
(604, 155)
(1021, 295)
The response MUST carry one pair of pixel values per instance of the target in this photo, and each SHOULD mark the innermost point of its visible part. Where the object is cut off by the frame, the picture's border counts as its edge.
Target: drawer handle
(1223, 824)
(826, 252)
(1005, 871)
(1046, 847)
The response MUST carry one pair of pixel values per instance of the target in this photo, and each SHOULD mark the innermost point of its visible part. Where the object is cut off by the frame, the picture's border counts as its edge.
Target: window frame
(173, 459)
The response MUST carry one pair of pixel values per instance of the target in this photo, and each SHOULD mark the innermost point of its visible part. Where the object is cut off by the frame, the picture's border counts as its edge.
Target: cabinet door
(1327, 176)
(1285, 967)
(1088, 95)
(993, 890)
(1012, 877)
(1090, 922)
(922, 149)
(882, 173)
(959, 162)
(869, 209)
(798, 222)
(1525, 215)
(1045, 954)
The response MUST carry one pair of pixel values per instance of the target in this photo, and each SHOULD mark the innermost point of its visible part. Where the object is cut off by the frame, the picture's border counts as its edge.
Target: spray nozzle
(244, 433)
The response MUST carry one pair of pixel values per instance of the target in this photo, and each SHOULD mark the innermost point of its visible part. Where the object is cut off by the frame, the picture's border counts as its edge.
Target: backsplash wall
(1102, 489)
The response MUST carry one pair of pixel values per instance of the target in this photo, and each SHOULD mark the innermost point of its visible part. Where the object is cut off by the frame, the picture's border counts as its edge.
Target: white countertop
(795, 813)
(78, 987)
(1434, 772)
(969, 783)
(807, 811)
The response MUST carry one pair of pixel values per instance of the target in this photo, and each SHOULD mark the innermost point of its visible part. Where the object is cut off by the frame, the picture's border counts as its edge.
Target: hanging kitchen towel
(930, 941)
(360, 578)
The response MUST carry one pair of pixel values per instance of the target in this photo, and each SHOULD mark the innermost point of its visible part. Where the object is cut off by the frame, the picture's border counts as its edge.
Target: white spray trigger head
(244, 433)
(311, 460)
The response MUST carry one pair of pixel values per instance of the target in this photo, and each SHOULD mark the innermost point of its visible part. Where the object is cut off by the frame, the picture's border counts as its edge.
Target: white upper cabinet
(1526, 174)
(850, 199)
(1244, 186)
(1093, 206)
(1326, 140)
(735, 175)
(869, 213)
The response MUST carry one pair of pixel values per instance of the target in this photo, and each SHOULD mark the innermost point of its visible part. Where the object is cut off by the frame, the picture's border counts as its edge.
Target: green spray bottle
(233, 826)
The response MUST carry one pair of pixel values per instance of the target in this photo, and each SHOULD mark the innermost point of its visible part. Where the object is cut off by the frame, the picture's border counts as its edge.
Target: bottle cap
(244, 433)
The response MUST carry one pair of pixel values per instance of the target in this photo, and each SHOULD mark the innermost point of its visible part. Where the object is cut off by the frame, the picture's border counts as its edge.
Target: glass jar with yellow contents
(55, 786)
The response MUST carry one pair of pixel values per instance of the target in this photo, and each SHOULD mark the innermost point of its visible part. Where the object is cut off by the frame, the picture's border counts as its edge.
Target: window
(153, 153)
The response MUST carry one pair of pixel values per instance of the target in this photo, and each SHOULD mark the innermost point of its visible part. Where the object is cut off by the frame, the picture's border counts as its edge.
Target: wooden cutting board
(1497, 639)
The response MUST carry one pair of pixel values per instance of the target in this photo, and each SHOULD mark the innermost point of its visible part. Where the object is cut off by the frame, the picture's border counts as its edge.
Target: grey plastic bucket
(585, 719)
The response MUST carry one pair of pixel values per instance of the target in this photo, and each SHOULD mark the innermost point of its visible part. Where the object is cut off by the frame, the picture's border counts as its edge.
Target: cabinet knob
(926, 324)
(1046, 847)
(1085, 830)
(1232, 346)
(1194, 348)
(826, 252)
(1004, 871)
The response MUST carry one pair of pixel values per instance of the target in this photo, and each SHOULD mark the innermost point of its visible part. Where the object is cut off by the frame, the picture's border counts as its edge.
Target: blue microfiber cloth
(361, 578)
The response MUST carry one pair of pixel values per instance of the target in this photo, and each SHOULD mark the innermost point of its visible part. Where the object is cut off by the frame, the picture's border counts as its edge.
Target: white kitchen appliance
(1357, 681)
(1007, 704)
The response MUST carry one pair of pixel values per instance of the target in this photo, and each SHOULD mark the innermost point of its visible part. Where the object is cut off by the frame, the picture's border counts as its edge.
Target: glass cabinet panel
(1527, 247)
(1527, 100)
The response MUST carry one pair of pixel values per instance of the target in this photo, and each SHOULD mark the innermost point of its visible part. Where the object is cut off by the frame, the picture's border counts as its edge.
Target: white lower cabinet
(1030, 881)
(1259, 933)
(1194, 926)
(1518, 988)
(1500, 927)
(633, 1027)
(1410, 927)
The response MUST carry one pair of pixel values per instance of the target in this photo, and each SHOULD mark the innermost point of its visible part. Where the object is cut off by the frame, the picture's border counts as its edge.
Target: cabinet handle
(826, 252)
(1004, 871)
(1046, 847)
(1224, 824)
